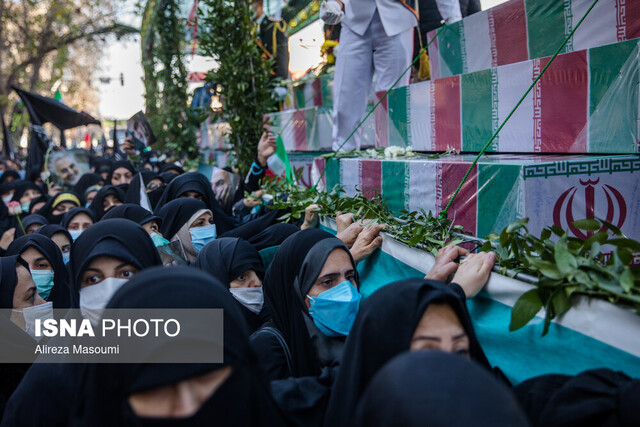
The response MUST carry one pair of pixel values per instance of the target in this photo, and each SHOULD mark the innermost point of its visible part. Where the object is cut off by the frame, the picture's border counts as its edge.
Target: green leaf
(504, 238)
(546, 268)
(547, 323)
(595, 249)
(587, 224)
(525, 308)
(546, 233)
(561, 302)
(625, 243)
(611, 227)
(565, 260)
(521, 223)
(557, 230)
(610, 286)
(625, 255)
(599, 237)
(584, 279)
(626, 280)
(415, 240)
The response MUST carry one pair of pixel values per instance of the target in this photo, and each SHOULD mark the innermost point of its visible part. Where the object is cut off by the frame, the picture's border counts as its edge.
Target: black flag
(47, 110)
(7, 146)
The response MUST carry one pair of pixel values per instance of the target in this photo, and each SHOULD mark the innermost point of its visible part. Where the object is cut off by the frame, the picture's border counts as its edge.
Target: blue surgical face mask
(66, 258)
(75, 234)
(87, 204)
(44, 282)
(25, 207)
(158, 240)
(200, 236)
(335, 310)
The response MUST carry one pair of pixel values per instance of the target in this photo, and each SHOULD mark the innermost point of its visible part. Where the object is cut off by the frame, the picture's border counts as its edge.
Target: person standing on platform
(377, 36)
(273, 40)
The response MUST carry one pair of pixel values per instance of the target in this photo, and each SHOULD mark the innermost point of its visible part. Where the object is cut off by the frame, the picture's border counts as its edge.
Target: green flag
(281, 163)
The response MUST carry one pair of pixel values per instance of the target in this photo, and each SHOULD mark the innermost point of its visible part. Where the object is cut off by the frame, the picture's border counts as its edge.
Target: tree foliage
(40, 41)
(228, 35)
(167, 100)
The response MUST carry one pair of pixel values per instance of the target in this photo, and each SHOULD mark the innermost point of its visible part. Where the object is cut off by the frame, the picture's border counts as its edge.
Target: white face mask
(7, 199)
(252, 298)
(30, 314)
(75, 234)
(94, 298)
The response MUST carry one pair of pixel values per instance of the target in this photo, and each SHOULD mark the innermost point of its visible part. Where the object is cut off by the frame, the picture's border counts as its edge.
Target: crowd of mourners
(301, 345)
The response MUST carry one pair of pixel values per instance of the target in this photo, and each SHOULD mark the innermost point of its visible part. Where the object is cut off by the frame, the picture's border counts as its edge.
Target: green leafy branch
(167, 100)
(228, 34)
(417, 228)
(568, 267)
(564, 266)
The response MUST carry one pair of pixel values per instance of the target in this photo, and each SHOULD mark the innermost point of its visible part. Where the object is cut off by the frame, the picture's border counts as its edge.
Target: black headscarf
(118, 238)
(431, 388)
(42, 199)
(194, 181)
(51, 229)
(171, 166)
(167, 177)
(273, 235)
(68, 217)
(227, 258)
(106, 387)
(9, 174)
(383, 329)
(34, 219)
(5, 187)
(13, 339)
(96, 205)
(148, 176)
(177, 213)
(63, 196)
(117, 165)
(287, 282)
(102, 165)
(30, 220)
(135, 213)
(133, 193)
(599, 397)
(22, 187)
(61, 294)
(87, 180)
(9, 279)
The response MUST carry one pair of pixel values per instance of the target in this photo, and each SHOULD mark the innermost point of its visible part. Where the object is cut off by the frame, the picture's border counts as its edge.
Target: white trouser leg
(449, 10)
(351, 84)
(391, 56)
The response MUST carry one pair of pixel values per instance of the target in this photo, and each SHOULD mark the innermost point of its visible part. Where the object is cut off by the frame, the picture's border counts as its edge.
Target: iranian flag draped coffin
(586, 102)
(526, 29)
(501, 188)
(310, 129)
